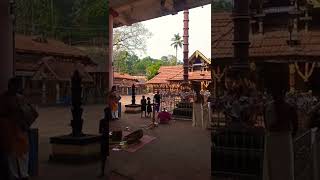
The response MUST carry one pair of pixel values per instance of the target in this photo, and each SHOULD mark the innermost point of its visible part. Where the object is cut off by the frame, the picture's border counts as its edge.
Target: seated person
(164, 116)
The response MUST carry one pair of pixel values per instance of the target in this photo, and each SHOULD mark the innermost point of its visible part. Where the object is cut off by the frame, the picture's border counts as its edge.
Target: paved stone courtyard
(179, 152)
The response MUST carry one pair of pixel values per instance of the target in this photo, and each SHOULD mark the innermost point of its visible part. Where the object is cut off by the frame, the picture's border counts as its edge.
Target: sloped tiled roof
(124, 76)
(28, 44)
(270, 44)
(195, 75)
(165, 73)
(53, 69)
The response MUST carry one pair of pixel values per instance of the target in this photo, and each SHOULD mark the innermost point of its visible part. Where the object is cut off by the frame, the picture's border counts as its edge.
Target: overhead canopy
(127, 12)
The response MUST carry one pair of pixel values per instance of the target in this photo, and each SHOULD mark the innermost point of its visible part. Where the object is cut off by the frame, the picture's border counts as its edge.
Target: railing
(306, 157)
(233, 154)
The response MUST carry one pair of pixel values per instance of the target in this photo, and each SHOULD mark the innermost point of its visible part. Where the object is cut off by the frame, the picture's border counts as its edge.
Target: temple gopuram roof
(48, 47)
(52, 69)
(270, 45)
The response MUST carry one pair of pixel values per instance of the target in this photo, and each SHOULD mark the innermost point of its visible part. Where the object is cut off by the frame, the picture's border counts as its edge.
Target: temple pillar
(109, 69)
(6, 45)
(57, 92)
(44, 93)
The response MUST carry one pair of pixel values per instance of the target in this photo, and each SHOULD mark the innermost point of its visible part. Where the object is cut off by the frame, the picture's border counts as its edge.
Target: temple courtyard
(179, 151)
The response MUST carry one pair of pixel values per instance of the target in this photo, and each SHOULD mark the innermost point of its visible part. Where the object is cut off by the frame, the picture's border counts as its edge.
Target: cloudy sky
(164, 28)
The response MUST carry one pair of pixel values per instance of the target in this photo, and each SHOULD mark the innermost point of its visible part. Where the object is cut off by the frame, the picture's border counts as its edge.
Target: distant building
(169, 78)
(45, 67)
(124, 83)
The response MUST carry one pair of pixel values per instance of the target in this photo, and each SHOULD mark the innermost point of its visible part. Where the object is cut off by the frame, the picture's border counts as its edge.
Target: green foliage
(130, 63)
(152, 70)
(66, 20)
(222, 5)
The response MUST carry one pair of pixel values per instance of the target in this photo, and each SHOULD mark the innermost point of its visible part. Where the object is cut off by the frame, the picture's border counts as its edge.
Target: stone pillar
(109, 63)
(57, 93)
(6, 45)
(44, 93)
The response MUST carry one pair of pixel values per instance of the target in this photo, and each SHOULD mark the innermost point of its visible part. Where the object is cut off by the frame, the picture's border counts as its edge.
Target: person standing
(197, 114)
(281, 123)
(104, 143)
(157, 99)
(149, 107)
(114, 100)
(16, 116)
(143, 106)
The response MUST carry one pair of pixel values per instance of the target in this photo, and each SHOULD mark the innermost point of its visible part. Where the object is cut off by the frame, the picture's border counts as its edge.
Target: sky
(164, 28)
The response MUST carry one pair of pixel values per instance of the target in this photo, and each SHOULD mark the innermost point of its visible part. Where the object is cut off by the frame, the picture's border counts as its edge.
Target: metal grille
(303, 156)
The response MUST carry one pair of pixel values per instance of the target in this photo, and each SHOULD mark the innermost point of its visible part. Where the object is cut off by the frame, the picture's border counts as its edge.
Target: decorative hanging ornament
(217, 75)
(307, 71)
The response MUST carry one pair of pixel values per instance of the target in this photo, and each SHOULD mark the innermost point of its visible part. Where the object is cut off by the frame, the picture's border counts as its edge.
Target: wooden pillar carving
(292, 73)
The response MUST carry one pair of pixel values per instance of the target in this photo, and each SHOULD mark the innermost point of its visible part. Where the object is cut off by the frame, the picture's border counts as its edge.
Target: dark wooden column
(6, 44)
(241, 20)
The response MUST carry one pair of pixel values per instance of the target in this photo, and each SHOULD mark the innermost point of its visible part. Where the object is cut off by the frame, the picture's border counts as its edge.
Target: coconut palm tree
(177, 42)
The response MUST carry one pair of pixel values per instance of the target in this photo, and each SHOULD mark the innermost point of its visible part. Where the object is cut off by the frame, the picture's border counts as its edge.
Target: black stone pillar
(76, 89)
(133, 101)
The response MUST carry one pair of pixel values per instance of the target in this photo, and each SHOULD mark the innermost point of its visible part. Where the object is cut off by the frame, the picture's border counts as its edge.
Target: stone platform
(133, 108)
(67, 148)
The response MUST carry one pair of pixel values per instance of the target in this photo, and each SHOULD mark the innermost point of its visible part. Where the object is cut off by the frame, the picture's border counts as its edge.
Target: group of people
(16, 117)
(146, 105)
(146, 108)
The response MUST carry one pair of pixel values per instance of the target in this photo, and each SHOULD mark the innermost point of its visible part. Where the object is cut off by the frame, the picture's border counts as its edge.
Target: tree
(222, 5)
(153, 69)
(131, 38)
(177, 42)
(120, 62)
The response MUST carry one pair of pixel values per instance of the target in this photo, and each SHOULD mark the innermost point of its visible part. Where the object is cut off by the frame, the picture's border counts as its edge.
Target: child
(149, 107)
(144, 106)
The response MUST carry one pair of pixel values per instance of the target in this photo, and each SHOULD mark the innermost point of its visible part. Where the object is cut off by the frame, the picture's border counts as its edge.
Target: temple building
(124, 82)
(283, 31)
(169, 78)
(44, 67)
